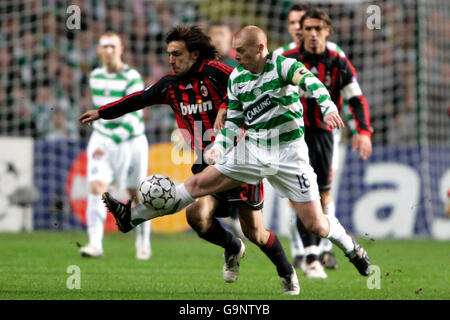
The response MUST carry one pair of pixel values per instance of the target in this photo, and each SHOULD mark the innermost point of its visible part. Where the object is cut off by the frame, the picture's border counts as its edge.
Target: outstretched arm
(89, 116)
(299, 75)
(155, 94)
(359, 109)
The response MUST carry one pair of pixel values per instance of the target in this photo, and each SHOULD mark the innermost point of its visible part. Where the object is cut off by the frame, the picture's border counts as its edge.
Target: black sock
(219, 236)
(308, 239)
(275, 252)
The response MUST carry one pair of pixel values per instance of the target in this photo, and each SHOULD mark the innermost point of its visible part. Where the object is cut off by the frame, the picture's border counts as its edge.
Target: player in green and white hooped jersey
(263, 97)
(295, 14)
(259, 95)
(118, 149)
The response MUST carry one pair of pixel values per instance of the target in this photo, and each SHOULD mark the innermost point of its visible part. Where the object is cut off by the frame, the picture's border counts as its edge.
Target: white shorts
(124, 164)
(287, 168)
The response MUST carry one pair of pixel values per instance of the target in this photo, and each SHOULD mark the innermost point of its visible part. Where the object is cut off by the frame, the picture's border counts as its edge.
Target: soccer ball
(157, 192)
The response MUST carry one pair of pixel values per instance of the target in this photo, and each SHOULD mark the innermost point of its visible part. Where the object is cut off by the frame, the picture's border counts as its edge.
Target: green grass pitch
(33, 266)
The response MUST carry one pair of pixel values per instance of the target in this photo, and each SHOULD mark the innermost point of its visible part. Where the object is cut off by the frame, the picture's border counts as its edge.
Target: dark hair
(195, 40)
(299, 7)
(316, 13)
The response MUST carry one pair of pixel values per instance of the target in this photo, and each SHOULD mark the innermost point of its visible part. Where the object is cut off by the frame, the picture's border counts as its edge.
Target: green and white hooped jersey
(109, 87)
(268, 104)
(279, 51)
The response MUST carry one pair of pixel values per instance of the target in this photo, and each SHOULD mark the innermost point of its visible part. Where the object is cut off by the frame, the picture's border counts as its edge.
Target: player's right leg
(200, 216)
(297, 248)
(320, 151)
(99, 175)
(206, 182)
(325, 226)
(296, 179)
(254, 229)
(95, 219)
(327, 257)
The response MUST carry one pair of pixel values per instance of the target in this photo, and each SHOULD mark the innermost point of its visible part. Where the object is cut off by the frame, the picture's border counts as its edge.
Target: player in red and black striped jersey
(196, 90)
(195, 98)
(337, 73)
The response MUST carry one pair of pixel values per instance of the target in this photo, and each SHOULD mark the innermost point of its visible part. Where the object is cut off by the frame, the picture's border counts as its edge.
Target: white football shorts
(124, 164)
(286, 167)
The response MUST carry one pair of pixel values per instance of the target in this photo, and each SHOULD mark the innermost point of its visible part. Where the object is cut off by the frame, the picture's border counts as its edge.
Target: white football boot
(90, 251)
(314, 270)
(230, 270)
(143, 252)
(290, 284)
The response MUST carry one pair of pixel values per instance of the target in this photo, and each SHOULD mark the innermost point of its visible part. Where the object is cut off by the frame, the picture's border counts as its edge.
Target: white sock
(143, 232)
(297, 248)
(95, 219)
(141, 213)
(339, 236)
(314, 250)
(326, 245)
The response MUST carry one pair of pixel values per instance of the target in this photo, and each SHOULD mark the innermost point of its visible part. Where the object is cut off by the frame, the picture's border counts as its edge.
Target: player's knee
(317, 226)
(98, 187)
(196, 221)
(320, 229)
(197, 184)
(254, 234)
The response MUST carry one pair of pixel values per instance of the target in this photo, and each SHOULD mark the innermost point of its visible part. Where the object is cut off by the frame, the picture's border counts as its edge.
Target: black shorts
(320, 146)
(249, 195)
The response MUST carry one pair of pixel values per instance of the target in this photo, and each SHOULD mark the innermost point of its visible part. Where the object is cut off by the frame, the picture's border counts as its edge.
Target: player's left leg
(253, 228)
(143, 232)
(206, 182)
(136, 152)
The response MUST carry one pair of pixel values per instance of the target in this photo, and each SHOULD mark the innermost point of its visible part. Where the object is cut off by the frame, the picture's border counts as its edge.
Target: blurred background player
(118, 149)
(196, 90)
(327, 257)
(339, 76)
(221, 36)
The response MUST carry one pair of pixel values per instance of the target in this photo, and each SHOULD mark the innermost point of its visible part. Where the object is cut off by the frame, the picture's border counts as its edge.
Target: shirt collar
(312, 56)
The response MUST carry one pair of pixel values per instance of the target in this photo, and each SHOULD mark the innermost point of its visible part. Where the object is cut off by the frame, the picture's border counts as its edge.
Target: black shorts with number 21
(250, 195)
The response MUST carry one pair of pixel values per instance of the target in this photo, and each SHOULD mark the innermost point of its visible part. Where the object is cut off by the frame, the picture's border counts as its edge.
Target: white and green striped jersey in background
(109, 87)
(268, 104)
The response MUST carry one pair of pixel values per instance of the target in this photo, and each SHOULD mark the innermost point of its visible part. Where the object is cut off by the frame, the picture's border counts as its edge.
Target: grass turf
(33, 266)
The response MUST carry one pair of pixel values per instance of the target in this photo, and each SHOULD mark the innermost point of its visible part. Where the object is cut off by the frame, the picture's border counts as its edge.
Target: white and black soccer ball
(157, 192)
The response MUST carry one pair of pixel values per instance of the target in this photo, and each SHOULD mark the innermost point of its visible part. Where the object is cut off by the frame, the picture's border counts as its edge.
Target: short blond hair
(110, 34)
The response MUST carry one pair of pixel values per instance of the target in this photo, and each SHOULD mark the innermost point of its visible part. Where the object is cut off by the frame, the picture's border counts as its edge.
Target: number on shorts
(303, 181)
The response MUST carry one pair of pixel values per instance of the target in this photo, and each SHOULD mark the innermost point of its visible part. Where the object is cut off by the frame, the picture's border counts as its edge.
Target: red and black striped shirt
(336, 73)
(195, 99)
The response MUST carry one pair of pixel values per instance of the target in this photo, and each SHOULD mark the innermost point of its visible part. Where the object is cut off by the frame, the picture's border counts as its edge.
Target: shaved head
(253, 35)
(250, 44)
